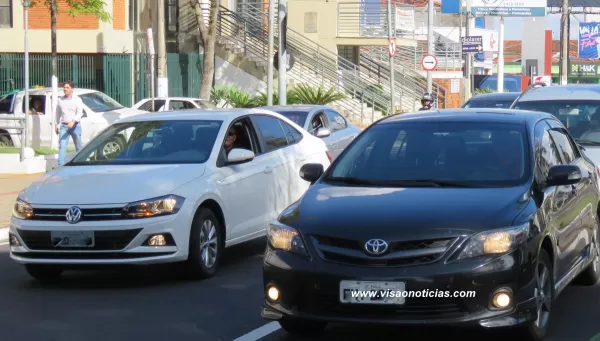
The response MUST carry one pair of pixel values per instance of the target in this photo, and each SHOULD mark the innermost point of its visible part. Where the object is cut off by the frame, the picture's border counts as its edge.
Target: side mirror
(237, 156)
(311, 172)
(323, 132)
(562, 175)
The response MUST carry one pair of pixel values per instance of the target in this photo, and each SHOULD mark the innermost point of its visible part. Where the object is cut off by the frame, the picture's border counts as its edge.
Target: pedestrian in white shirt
(68, 114)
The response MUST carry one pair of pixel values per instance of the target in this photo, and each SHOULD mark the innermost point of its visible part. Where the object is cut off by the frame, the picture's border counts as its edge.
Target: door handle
(268, 169)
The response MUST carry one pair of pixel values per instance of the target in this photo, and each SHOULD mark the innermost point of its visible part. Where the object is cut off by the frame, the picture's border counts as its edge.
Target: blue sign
(472, 44)
(451, 6)
(589, 40)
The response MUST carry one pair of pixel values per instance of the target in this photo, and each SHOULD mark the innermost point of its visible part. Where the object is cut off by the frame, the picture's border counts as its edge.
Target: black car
(499, 204)
(498, 100)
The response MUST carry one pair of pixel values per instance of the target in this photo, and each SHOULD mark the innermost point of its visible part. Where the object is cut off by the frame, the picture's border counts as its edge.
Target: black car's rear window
(486, 154)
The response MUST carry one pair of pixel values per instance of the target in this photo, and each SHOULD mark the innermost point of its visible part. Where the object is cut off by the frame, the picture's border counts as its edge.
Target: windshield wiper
(588, 142)
(439, 183)
(352, 180)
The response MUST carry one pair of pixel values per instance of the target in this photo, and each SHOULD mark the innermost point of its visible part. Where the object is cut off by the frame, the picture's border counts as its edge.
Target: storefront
(581, 73)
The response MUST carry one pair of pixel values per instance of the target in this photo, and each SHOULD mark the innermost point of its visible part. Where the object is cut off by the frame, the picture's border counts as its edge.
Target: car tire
(5, 140)
(205, 247)
(43, 272)
(111, 147)
(537, 330)
(302, 327)
(591, 274)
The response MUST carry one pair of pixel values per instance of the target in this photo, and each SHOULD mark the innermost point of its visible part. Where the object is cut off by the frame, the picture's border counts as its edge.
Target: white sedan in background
(173, 103)
(172, 194)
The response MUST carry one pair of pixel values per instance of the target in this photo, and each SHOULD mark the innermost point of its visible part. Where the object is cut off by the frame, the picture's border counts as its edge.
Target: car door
(340, 131)
(297, 157)
(583, 193)
(283, 159)
(245, 187)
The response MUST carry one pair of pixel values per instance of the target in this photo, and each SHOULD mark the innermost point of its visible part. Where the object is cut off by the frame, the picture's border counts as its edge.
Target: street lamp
(26, 4)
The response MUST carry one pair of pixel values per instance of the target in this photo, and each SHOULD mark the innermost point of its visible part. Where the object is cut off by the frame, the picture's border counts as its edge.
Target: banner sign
(580, 69)
(589, 40)
(509, 8)
(405, 19)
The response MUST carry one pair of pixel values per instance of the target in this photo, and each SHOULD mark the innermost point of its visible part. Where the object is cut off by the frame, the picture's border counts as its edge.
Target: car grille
(105, 240)
(87, 214)
(399, 253)
(328, 303)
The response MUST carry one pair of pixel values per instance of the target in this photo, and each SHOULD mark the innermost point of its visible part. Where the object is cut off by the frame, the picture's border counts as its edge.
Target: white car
(99, 111)
(173, 103)
(171, 195)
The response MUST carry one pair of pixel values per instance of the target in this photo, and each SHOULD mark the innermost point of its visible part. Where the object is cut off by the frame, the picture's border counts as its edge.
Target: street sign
(429, 62)
(291, 60)
(472, 44)
(542, 79)
(392, 47)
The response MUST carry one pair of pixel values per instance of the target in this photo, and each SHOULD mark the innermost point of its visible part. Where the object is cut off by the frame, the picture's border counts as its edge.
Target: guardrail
(20, 129)
(370, 20)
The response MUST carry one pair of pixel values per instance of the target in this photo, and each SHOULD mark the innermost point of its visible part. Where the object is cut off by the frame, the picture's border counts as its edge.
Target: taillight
(329, 156)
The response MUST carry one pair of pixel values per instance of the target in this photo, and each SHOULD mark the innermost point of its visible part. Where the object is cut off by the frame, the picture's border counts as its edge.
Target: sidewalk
(10, 186)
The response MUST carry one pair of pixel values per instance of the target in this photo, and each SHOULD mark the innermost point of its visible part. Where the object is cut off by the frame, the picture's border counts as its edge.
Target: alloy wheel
(208, 243)
(543, 293)
(110, 148)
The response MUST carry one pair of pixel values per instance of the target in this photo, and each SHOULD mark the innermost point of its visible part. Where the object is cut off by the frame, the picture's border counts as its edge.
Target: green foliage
(303, 94)
(310, 95)
(79, 7)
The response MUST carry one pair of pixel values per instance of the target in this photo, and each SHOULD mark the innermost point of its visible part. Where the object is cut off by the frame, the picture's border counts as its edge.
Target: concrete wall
(82, 34)
(227, 73)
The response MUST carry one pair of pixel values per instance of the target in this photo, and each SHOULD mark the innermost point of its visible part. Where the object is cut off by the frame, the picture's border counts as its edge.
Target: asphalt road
(149, 304)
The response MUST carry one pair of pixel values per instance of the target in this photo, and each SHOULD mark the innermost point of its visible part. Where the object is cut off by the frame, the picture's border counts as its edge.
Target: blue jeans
(63, 134)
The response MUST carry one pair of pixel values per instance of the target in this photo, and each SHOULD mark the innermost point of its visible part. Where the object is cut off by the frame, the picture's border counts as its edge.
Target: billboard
(504, 8)
(589, 40)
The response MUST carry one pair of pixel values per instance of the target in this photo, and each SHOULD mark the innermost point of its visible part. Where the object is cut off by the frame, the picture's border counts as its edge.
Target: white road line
(261, 332)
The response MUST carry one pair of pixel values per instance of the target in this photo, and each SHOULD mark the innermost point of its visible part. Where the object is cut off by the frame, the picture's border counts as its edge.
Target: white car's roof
(45, 91)
(173, 98)
(575, 92)
(200, 114)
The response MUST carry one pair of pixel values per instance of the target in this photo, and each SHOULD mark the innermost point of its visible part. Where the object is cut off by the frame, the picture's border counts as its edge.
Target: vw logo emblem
(376, 246)
(73, 215)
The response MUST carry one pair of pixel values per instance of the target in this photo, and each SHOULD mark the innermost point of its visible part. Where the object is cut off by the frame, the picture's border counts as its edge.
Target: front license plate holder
(72, 239)
(394, 290)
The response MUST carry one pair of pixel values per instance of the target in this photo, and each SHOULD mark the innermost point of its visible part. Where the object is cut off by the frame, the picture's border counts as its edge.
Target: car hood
(361, 212)
(112, 184)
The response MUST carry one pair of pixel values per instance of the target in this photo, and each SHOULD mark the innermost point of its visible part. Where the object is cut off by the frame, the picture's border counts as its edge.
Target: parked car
(172, 195)
(173, 103)
(497, 100)
(577, 106)
(497, 202)
(321, 121)
(99, 111)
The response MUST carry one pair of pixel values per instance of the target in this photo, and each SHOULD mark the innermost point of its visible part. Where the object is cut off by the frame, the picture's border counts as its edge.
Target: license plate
(372, 292)
(72, 239)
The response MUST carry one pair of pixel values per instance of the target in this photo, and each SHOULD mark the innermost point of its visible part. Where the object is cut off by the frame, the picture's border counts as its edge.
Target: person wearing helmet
(426, 102)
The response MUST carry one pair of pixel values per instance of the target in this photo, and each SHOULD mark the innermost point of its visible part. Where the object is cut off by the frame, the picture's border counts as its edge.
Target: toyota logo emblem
(376, 246)
(73, 215)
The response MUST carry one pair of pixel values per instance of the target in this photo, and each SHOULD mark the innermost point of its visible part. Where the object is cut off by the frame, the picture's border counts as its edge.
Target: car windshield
(478, 154)
(99, 102)
(151, 142)
(581, 118)
(489, 104)
(298, 117)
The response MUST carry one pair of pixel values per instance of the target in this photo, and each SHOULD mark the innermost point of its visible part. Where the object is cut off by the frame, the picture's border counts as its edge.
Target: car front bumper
(116, 241)
(309, 289)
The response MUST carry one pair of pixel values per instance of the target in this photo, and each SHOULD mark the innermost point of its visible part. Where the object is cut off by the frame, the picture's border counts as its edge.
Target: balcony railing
(370, 20)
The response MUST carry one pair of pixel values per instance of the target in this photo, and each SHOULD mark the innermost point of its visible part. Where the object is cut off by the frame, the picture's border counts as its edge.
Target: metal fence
(125, 77)
(369, 20)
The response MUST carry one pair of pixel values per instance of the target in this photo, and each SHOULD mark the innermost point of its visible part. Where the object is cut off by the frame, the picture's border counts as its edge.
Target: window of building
(6, 13)
(172, 15)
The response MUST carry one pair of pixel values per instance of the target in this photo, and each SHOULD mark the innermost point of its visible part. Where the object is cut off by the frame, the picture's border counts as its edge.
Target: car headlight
(22, 210)
(283, 237)
(495, 242)
(166, 205)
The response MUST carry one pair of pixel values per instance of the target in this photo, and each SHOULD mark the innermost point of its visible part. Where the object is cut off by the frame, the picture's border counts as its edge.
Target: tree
(208, 35)
(75, 8)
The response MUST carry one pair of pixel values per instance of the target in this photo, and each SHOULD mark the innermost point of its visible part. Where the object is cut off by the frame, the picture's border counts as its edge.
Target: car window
(564, 147)
(6, 104)
(336, 121)
(37, 104)
(489, 104)
(298, 117)
(99, 102)
(180, 105)
(271, 130)
(547, 155)
(152, 142)
(147, 106)
(318, 121)
(294, 136)
(480, 154)
(581, 118)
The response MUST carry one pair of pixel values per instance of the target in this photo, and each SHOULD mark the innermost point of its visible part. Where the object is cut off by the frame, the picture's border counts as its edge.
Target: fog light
(14, 241)
(502, 300)
(273, 293)
(157, 240)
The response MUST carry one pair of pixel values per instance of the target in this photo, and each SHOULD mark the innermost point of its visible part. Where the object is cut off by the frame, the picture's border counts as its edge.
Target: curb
(3, 234)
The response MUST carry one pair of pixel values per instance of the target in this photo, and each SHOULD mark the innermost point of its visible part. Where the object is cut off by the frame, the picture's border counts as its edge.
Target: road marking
(261, 332)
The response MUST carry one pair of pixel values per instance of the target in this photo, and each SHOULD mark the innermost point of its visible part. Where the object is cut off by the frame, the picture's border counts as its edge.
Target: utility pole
(429, 41)
(468, 66)
(282, 52)
(163, 81)
(25, 132)
(270, 52)
(54, 78)
(390, 37)
(564, 43)
(500, 77)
